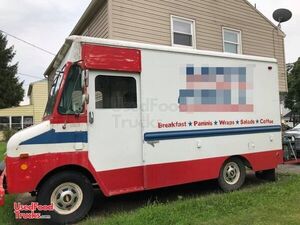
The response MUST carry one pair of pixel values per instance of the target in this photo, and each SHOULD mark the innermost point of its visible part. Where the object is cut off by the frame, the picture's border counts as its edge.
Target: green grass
(270, 203)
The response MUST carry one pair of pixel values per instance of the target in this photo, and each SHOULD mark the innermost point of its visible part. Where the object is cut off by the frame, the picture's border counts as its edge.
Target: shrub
(8, 133)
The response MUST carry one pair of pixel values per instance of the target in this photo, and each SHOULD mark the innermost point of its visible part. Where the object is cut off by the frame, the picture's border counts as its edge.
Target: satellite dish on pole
(282, 15)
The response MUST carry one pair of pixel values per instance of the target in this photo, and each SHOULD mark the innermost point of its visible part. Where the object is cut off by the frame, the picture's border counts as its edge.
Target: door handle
(91, 117)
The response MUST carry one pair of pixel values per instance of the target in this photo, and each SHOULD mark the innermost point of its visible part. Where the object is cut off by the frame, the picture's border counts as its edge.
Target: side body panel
(187, 136)
(203, 110)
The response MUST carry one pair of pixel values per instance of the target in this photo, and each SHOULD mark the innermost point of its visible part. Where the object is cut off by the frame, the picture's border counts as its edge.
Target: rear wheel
(232, 175)
(71, 195)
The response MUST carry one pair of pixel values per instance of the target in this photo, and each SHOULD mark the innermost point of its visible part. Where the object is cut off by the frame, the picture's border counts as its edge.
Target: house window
(27, 121)
(4, 123)
(232, 41)
(16, 122)
(115, 92)
(183, 32)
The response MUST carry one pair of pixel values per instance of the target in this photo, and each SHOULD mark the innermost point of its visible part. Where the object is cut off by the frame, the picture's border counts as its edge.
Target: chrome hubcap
(67, 198)
(231, 173)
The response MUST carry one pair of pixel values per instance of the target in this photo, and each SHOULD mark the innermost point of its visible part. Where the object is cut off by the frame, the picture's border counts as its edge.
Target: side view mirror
(78, 101)
(85, 99)
(84, 78)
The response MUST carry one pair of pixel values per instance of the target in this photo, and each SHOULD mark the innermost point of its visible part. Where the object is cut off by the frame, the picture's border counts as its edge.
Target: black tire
(61, 183)
(232, 175)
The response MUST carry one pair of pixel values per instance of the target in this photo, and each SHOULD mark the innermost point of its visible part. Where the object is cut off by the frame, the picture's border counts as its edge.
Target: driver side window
(71, 100)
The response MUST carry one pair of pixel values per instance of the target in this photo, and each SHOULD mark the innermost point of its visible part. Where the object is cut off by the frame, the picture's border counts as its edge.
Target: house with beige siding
(24, 116)
(233, 26)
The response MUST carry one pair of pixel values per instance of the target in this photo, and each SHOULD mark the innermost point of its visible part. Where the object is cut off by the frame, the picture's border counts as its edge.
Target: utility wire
(28, 75)
(24, 74)
(28, 43)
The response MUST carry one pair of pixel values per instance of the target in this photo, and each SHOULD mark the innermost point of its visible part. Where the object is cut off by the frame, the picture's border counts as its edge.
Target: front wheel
(71, 195)
(232, 175)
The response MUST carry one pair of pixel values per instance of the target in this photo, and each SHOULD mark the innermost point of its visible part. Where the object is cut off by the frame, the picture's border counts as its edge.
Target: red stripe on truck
(20, 181)
(167, 174)
(131, 179)
(111, 58)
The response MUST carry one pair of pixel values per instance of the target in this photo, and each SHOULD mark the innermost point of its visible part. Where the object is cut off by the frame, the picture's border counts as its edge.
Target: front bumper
(2, 190)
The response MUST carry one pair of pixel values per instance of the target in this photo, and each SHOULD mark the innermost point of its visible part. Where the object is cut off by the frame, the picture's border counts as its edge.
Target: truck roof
(126, 44)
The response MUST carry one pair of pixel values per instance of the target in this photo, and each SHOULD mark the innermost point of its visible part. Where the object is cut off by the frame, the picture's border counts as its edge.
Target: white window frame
(22, 121)
(193, 29)
(239, 44)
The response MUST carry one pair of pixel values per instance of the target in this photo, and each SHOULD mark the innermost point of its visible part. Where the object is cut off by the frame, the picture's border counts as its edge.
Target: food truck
(127, 117)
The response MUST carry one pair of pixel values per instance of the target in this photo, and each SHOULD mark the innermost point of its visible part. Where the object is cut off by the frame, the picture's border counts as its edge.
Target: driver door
(114, 130)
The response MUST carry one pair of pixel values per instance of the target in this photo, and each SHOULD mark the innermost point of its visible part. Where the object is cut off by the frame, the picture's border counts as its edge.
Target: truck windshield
(53, 93)
(71, 99)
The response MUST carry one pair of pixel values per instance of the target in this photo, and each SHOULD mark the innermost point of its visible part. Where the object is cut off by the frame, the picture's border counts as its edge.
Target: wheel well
(73, 168)
(243, 159)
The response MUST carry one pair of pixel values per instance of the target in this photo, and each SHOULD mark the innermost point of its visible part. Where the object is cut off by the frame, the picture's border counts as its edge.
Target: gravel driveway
(289, 168)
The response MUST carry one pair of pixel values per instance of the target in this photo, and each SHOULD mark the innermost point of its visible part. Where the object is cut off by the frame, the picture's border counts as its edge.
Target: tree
(292, 99)
(11, 91)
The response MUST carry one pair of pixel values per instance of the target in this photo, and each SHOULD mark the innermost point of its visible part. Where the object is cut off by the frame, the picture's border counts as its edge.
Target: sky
(47, 24)
(43, 23)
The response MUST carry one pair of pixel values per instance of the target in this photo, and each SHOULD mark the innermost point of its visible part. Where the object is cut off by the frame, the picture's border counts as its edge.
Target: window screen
(232, 41)
(115, 92)
(27, 121)
(16, 122)
(183, 31)
(4, 122)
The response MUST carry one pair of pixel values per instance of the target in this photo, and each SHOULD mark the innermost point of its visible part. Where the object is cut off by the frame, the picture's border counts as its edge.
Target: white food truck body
(155, 116)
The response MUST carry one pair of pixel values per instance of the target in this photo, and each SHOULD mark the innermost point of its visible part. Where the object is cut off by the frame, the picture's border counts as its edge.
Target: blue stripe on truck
(52, 137)
(168, 135)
